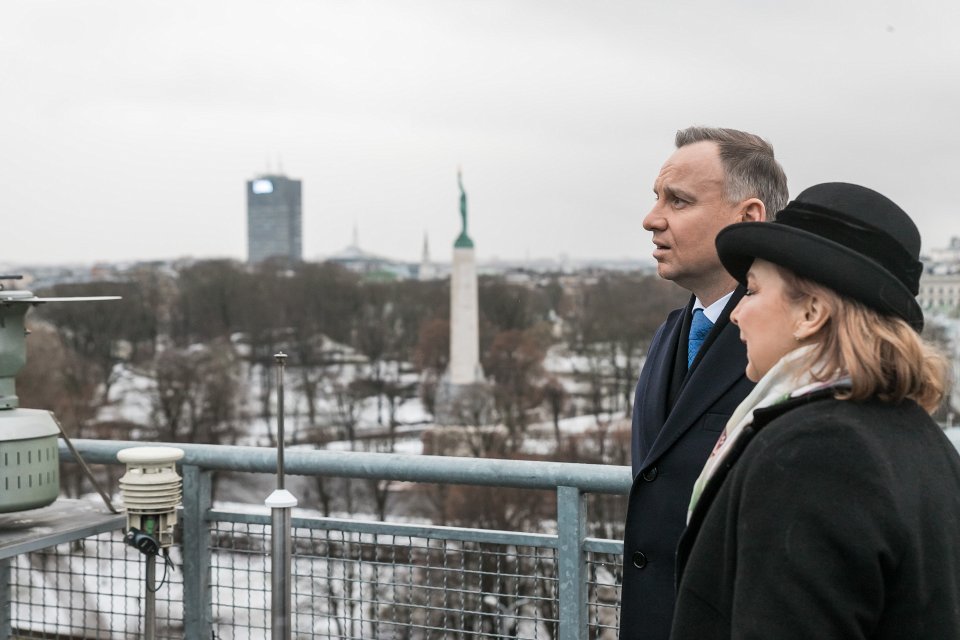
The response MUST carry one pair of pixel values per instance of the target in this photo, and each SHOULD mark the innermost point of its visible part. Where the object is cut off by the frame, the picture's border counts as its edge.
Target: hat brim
(816, 258)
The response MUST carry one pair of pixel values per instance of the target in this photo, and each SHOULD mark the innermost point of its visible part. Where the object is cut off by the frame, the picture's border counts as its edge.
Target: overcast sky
(130, 128)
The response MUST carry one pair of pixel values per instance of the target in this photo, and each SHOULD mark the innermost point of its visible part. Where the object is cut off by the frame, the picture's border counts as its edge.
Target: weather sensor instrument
(29, 457)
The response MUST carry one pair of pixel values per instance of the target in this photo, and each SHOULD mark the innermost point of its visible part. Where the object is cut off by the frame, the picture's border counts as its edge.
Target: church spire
(427, 270)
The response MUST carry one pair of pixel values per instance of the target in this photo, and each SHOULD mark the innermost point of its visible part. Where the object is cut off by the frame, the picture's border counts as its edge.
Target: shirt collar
(713, 311)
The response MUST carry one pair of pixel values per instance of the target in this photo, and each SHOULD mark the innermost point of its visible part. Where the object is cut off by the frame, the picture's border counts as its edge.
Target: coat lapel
(654, 411)
(720, 365)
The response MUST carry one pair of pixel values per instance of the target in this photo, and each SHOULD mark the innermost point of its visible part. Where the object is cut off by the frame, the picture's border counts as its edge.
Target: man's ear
(752, 210)
(814, 315)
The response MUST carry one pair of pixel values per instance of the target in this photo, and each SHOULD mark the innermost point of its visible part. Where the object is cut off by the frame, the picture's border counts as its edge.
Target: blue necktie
(700, 326)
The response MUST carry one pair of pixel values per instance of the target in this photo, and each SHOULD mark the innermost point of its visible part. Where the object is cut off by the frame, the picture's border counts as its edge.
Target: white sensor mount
(151, 490)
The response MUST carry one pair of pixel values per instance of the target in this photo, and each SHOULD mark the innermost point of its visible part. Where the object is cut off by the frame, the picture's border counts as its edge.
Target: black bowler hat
(847, 237)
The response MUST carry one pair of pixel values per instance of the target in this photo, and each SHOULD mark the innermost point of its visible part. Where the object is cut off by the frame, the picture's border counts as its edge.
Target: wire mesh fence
(91, 588)
(350, 581)
(434, 582)
(350, 578)
(604, 570)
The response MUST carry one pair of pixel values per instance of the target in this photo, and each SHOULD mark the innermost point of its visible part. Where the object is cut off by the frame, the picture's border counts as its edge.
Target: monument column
(464, 306)
(461, 392)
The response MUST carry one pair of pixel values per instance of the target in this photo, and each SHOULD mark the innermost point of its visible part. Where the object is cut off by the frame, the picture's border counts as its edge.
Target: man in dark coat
(693, 377)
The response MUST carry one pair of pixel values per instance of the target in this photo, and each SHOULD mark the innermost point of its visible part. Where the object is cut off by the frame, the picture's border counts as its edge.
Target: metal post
(281, 503)
(197, 600)
(280, 565)
(5, 631)
(150, 598)
(281, 360)
(571, 531)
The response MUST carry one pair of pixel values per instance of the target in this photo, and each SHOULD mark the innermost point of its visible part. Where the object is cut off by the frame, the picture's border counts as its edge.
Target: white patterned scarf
(786, 379)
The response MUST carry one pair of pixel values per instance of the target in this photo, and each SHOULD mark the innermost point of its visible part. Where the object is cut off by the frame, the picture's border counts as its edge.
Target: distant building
(939, 292)
(274, 219)
(370, 265)
(949, 255)
(940, 282)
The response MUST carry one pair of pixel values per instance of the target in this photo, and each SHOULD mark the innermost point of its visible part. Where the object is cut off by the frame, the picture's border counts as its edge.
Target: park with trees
(187, 355)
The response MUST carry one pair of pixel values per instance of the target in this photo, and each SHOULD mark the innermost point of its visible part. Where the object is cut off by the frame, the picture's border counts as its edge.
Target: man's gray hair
(748, 163)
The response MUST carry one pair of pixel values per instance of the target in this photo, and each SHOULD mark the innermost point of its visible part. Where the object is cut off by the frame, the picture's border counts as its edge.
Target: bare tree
(58, 379)
(102, 333)
(555, 396)
(196, 398)
(612, 321)
(514, 362)
(213, 299)
(431, 356)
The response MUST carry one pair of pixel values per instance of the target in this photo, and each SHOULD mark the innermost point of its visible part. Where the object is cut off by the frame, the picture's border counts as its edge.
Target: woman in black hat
(830, 507)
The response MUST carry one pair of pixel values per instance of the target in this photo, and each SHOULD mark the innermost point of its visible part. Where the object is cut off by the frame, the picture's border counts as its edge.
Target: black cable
(167, 565)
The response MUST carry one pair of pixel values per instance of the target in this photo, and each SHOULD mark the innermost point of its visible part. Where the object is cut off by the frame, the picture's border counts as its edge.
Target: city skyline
(133, 137)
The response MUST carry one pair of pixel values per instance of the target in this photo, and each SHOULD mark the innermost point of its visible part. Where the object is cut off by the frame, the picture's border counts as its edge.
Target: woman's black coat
(836, 519)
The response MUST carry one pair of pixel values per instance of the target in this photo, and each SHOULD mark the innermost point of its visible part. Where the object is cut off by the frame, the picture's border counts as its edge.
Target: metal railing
(351, 579)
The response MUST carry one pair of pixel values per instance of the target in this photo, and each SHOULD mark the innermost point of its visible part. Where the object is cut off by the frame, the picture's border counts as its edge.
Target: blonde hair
(885, 358)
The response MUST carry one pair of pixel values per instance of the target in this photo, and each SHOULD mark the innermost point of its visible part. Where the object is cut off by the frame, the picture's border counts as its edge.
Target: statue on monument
(462, 395)
(463, 240)
(463, 202)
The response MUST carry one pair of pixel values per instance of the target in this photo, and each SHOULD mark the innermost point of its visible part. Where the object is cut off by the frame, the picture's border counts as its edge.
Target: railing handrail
(519, 474)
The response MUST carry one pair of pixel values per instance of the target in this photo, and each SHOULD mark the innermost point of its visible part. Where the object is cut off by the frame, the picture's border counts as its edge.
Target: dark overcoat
(677, 417)
(835, 520)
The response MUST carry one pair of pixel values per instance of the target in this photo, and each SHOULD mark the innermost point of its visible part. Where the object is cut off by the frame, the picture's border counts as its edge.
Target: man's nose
(654, 220)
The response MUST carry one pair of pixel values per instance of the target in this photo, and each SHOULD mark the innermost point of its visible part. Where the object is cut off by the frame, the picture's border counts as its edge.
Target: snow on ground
(564, 362)
(130, 397)
(131, 401)
(561, 360)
